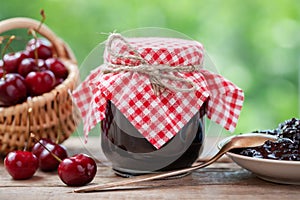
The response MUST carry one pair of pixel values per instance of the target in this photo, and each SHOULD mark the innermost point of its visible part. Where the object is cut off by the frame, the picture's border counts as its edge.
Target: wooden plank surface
(221, 180)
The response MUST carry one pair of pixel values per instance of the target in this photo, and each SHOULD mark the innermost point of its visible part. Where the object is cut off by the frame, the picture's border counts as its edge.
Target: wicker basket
(52, 113)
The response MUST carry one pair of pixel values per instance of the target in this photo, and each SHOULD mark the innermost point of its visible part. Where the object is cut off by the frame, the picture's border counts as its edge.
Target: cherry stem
(33, 33)
(36, 56)
(55, 156)
(42, 13)
(2, 38)
(11, 38)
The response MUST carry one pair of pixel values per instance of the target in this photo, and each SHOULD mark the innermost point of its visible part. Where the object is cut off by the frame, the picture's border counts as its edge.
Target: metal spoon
(241, 141)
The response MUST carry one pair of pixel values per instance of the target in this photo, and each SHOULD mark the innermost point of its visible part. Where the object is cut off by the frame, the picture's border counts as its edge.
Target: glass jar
(131, 154)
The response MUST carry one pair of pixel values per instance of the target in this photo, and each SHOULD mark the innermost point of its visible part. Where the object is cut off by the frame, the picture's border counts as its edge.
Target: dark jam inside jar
(131, 154)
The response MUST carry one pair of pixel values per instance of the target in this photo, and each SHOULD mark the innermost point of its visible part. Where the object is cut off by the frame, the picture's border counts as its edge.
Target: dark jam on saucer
(285, 148)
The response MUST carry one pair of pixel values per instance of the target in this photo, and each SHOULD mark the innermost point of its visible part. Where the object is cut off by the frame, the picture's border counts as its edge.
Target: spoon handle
(235, 142)
(150, 177)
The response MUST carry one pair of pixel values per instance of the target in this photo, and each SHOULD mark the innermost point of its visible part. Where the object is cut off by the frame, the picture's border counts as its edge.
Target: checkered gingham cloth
(157, 117)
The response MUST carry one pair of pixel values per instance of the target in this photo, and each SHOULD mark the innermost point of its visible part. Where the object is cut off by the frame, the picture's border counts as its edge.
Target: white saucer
(278, 171)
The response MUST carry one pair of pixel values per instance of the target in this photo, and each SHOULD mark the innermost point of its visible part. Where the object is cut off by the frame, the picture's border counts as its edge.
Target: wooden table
(221, 180)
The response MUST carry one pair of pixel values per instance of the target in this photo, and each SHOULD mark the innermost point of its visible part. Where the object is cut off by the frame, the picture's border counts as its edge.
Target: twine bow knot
(161, 76)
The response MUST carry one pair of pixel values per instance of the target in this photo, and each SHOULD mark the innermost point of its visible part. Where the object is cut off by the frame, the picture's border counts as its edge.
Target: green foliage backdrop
(254, 43)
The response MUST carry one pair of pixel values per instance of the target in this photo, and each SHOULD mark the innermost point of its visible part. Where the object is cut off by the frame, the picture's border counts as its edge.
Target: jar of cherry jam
(151, 95)
(132, 154)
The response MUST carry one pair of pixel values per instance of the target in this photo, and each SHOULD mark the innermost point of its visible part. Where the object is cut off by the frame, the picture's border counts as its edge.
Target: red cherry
(57, 67)
(77, 170)
(12, 89)
(31, 65)
(38, 147)
(11, 61)
(27, 65)
(21, 164)
(40, 82)
(42, 46)
(46, 160)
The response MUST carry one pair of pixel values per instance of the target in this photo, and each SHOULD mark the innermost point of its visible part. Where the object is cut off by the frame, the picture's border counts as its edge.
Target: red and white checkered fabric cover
(157, 118)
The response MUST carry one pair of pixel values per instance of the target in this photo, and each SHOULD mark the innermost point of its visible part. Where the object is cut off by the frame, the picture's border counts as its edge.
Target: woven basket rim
(44, 30)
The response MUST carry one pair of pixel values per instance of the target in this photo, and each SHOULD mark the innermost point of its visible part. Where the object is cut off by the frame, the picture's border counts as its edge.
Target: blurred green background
(254, 43)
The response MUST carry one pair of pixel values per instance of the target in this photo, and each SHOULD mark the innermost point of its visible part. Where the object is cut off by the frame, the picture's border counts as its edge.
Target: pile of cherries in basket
(285, 148)
(33, 72)
(77, 170)
(30, 72)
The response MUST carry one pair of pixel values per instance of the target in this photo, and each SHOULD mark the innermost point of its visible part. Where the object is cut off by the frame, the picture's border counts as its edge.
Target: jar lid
(135, 68)
(154, 51)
